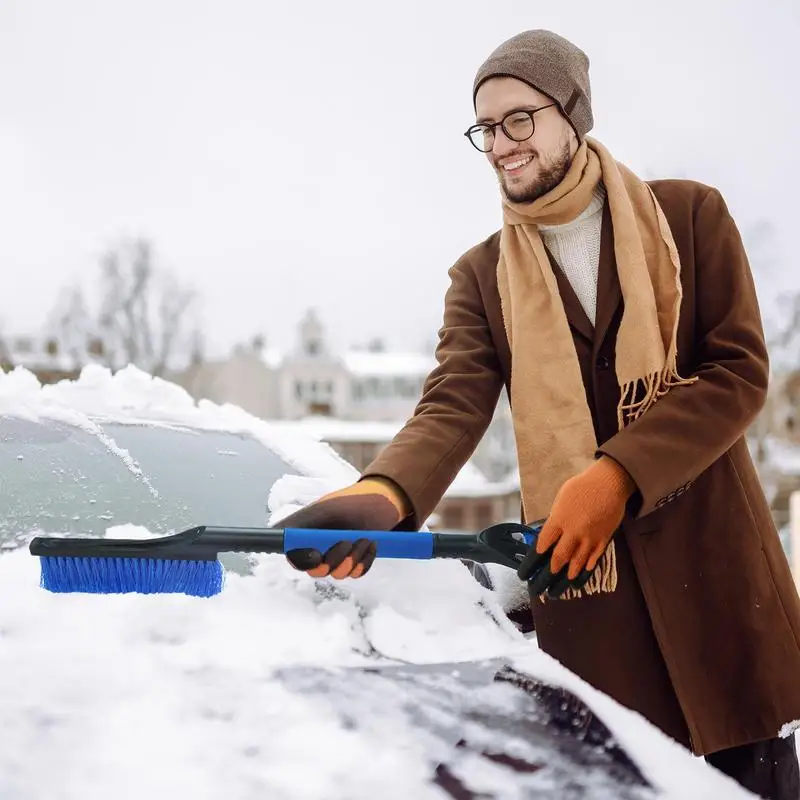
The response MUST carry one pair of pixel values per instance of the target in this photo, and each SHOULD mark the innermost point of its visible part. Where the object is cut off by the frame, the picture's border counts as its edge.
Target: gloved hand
(375, 504)
(586, 513)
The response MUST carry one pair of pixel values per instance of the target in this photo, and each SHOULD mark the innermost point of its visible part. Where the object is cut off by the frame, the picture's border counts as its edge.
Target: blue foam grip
(536, 529)
(391, 544)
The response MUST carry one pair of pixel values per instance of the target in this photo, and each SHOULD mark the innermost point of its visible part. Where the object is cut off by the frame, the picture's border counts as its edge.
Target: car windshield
(62, 478)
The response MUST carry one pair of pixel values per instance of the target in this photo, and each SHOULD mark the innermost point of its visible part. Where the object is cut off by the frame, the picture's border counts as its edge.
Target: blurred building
(312, 379)
(46, 357)
(471, 502)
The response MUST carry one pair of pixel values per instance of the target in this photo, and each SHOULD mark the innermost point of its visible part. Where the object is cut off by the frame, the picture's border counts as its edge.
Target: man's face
(528, 169)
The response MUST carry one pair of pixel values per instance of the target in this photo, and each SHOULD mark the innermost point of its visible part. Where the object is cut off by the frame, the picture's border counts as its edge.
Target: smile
(511, 166)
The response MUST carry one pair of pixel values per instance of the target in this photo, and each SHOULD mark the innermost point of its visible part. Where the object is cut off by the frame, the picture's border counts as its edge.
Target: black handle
(243, 540)
(505, 543)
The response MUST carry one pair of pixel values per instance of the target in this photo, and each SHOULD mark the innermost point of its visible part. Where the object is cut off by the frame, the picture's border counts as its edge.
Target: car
(413, 682)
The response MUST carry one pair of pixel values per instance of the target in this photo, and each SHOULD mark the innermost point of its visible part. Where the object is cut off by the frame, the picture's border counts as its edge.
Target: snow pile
(22, 396)
(471, 482)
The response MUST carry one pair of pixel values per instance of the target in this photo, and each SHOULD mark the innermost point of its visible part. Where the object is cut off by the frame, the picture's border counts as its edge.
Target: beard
(551, 172)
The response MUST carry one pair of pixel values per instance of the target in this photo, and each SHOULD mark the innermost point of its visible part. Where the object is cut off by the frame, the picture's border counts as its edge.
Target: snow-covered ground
(172, 697)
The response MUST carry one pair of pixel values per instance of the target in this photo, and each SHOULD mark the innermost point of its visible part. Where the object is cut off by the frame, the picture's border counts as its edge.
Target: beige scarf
(552, 423)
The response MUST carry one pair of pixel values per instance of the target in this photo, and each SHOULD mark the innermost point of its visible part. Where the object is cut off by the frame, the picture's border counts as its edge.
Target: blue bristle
(124, 575)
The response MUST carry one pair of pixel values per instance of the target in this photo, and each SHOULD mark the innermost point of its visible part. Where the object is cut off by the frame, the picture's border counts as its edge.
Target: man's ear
(574, 144)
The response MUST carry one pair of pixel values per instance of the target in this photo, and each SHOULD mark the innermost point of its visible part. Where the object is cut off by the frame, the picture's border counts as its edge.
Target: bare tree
(137, 314)
(6, 361)
(70, 321)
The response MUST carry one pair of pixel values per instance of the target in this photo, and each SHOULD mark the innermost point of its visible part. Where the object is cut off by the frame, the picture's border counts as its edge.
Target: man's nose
(502, 145)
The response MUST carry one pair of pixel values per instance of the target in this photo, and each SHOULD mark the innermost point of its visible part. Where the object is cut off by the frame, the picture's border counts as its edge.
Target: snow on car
(410, 683)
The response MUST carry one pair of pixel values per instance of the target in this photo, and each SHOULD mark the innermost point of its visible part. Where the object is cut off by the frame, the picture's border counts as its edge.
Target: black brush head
(187, 545)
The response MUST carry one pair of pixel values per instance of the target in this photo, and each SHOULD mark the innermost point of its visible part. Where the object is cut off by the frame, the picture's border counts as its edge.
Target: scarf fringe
(603, 578)
(631, 406)
(640, 394)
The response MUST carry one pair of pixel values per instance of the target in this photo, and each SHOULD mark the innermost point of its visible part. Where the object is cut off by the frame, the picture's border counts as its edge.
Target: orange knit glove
(586, 513)
(370, 504)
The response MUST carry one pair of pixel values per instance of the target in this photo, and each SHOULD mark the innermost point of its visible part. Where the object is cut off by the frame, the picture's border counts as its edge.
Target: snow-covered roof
(511, 479)
(272, 357)
(369, 364)
(334, 430)
(471, 482)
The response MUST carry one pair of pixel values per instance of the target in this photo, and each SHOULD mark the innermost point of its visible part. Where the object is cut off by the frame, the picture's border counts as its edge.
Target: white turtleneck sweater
(575, 246)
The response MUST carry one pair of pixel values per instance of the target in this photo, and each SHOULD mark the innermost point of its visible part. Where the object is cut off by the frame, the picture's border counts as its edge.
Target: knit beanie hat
(550, 64)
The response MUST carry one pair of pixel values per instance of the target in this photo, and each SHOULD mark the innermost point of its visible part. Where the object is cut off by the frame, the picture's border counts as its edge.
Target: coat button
(603, 362)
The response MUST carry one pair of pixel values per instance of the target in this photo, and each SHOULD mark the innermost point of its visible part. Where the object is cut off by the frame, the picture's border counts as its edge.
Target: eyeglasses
(517, 125)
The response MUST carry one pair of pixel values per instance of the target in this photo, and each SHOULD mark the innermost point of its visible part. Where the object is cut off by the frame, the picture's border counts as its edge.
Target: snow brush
(188, 562)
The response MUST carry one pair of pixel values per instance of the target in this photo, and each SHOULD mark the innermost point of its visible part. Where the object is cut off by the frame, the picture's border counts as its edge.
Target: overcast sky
(286, 154)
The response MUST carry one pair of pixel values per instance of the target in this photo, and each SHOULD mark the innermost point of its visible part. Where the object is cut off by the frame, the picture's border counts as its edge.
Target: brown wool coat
(702, 635)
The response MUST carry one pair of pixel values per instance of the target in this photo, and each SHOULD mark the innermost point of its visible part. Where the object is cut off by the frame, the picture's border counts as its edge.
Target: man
(622, 319)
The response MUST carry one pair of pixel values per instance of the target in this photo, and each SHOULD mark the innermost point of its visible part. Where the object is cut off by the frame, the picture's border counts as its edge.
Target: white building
(369, 384)
(248, 377)
(385, 386)
(312, 379)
